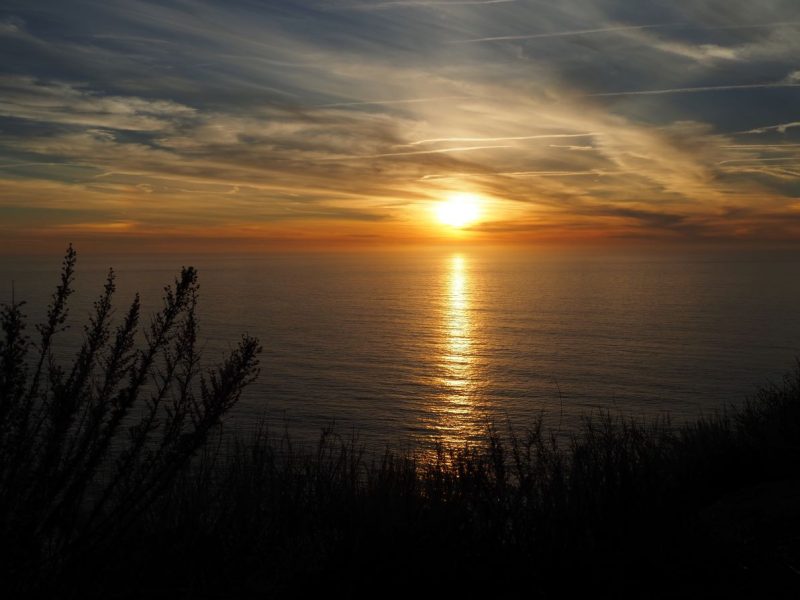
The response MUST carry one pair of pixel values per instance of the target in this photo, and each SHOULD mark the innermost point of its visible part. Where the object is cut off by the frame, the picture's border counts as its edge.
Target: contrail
(502, 139)
(760, 146)
(553, 34)
(758, 160)
(753, 26)
(33, 164)
(454, 175)
(438, 151)
(694, 90)
(418, 4)
(418, 152)
(557, 173)
(390, 102)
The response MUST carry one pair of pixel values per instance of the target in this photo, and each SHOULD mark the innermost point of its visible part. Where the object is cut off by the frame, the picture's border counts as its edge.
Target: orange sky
(234, 126)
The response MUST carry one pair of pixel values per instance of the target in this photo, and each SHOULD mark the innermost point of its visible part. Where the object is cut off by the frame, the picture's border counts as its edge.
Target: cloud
(700, 52)
(573, 148)
(780, 128)
(23, 97)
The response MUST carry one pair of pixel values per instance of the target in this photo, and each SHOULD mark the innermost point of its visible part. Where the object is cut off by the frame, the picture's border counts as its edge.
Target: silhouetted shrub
(85, 448)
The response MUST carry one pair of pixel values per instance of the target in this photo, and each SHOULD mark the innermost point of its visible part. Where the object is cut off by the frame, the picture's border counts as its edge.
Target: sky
(244, 124)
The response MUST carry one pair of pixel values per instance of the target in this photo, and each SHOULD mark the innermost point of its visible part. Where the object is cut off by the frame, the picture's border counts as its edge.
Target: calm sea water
(407, 348)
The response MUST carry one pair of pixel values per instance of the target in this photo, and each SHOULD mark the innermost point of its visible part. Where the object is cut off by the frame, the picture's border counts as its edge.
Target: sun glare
(459, 210)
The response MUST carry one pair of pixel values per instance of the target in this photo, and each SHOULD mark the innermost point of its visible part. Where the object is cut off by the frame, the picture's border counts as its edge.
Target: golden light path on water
(457, 417)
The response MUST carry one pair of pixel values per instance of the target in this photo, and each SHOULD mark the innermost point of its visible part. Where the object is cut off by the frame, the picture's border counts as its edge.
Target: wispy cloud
(24, 97)
(780, 128)
(573, 148)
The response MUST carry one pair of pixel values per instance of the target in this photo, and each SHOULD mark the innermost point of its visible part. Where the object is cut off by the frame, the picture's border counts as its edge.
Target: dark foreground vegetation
(116, 483)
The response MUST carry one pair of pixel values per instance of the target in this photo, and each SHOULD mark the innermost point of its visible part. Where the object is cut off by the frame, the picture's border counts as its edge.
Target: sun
(459, 210)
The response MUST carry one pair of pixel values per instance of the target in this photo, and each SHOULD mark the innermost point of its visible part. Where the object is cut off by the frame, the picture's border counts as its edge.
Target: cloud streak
(780, 128)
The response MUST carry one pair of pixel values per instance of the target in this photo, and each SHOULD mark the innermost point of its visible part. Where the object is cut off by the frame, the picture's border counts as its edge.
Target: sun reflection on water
(457, 420)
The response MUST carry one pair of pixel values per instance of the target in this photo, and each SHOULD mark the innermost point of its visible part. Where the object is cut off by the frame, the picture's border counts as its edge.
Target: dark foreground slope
(115, 483)
(621, 510)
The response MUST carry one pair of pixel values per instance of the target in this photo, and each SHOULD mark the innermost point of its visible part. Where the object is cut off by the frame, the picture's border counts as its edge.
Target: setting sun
(459, 210)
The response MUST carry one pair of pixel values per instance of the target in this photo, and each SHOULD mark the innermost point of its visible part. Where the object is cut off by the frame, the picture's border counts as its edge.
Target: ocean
(409, 348)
